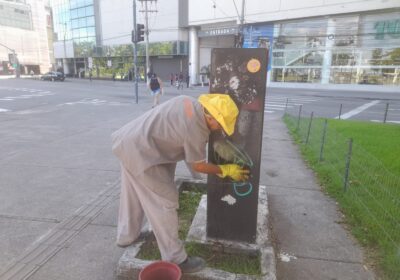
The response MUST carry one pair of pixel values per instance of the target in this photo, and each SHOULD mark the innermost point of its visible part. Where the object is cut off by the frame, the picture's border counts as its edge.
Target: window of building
(90, 21)
(89, 11)
(81, 12)
(74, 13)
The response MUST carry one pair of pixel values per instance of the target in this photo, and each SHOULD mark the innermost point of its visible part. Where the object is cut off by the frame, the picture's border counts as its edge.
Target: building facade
(95, 35)
(23, 28)
(319, 42)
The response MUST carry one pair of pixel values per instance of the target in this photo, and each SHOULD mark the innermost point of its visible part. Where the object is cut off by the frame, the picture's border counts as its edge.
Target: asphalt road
(56, 157)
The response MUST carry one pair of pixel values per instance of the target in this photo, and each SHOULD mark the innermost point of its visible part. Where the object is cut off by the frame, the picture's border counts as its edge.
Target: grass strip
(371, 203)
(214, 255)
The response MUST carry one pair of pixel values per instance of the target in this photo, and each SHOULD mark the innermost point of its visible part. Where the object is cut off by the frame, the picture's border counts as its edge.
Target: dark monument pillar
(232, 207)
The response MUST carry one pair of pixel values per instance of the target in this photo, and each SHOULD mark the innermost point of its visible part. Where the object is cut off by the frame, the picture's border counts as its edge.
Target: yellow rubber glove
(234, 171)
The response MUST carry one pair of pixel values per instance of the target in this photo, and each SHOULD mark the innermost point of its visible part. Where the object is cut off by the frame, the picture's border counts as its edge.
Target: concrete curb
(129, 266)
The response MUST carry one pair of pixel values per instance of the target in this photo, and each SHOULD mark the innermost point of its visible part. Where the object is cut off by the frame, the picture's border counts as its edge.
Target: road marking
(358, 110)
(272, 105)
(274, 108)
(378, 121)
(266, 111)
(292, 99)
(289, 103)
(3, 110)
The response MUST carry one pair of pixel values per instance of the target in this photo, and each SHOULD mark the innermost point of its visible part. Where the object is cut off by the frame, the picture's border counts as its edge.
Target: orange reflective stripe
(187, 104)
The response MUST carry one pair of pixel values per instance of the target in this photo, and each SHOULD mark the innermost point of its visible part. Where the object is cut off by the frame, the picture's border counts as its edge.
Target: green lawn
(371, 201)
(380, 140)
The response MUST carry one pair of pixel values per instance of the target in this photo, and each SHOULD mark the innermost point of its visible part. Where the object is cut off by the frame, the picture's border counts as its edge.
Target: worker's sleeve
(195, 148)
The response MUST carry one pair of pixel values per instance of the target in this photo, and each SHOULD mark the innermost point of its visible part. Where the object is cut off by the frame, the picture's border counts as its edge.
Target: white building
(310, 41)
(23, 28)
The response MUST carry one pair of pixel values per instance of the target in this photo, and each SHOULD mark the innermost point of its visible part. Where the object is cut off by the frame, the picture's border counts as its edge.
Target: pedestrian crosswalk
(275, 104)
(14, 94)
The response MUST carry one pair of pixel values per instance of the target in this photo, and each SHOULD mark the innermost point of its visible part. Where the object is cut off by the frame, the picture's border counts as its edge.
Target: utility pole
(135, 73)
(241, 36)
(242, 15)
(65, 50)
(146, 15)
(147, 39)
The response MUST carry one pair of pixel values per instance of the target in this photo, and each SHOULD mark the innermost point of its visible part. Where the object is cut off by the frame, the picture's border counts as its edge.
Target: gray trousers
(153, 195)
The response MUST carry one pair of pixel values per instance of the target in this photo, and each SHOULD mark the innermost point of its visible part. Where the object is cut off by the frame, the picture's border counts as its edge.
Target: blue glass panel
(90, 21)
(82, 22)
(83, 32)
(89, 11)
(75, 23)
(91, 31)
(74, 13)
(81, 12)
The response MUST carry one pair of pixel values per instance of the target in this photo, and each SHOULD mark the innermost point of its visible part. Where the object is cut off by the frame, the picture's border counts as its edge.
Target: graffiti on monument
(232, 206)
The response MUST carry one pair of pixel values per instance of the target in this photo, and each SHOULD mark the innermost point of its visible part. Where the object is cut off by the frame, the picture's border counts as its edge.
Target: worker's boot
(192, 264)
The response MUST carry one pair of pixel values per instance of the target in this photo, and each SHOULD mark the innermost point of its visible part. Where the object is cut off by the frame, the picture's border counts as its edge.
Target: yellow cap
(222, 108)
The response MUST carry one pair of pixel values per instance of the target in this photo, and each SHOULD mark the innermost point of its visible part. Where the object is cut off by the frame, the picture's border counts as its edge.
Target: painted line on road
(3, 110)
(378, 121)
(292, 99)
(266, 111)
(274, 108)
(358, 110)
(279, 106)
(289, 103)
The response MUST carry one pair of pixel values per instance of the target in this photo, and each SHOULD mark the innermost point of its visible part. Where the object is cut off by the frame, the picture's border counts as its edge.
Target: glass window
(81, 12)
(74, 13)
(301, 34)
(83, 32)
(297, 75)
(73, 4)
(90, 21)
(82, 22)
(89, 11)
(75, 33)
(75, 23)
(91, 31)
(344, 58)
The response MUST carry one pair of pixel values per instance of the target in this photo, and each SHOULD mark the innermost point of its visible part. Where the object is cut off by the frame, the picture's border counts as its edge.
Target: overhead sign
(218, 31)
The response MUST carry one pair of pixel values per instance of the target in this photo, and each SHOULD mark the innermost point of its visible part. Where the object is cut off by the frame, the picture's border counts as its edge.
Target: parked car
(53, 76)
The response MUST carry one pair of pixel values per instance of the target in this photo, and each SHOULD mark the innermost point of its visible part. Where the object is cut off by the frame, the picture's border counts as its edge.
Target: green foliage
(214, 255)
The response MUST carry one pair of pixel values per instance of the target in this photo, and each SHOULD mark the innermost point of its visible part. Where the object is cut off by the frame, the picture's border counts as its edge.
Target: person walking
(148, 149)
(156, 90)
(171, 77)
(180, 84)
(187, 79)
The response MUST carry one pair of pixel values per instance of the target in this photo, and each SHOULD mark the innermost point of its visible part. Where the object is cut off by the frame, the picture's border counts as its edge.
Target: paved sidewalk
(310, 242)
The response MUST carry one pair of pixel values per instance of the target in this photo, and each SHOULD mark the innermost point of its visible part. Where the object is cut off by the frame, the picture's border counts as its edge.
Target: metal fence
(369, 194)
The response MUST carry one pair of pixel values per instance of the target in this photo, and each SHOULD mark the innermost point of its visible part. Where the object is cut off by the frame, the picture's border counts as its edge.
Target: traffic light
(12, 58)
(140, 32)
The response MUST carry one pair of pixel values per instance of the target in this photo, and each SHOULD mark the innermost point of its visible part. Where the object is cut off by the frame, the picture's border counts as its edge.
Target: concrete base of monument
(129, 266)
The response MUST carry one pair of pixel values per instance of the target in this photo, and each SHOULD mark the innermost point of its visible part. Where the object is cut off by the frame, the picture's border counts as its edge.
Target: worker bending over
(149, 148)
